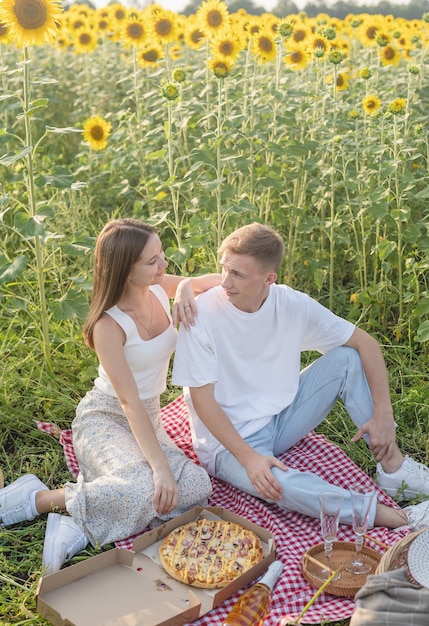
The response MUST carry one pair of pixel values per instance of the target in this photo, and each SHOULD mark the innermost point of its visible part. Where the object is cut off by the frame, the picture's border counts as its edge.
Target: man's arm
(257, 466)
(381, 427)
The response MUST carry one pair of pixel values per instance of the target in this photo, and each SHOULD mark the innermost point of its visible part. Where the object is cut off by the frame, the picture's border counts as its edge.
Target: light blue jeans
(337, 374)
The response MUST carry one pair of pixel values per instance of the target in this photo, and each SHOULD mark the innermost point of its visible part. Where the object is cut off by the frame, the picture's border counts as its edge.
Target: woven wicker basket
(342, 552)
(397, 555)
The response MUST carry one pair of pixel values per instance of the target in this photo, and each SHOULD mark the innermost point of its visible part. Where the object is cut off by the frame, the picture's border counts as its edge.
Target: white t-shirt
(148, 360)
(253, 359)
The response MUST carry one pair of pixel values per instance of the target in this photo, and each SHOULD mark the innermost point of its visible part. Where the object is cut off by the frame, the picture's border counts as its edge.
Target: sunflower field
(199, 124)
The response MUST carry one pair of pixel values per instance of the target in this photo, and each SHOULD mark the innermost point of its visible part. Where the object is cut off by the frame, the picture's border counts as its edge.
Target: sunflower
(264, 46)
(31, 22)
(103, 22)
(226, 44)
(371, 104)
(193, 35)
(134, 31)
(319, 45)
(270, 22)
(253, 25)
(80, 9)
(84, 40)
(149, 54)
(367, 31)
(297, 56)
(301, 33)
(390, 55)
(96, 131)
(164, 27)
(213, 17)
(117, 14)
(342, 82)
(117, 11)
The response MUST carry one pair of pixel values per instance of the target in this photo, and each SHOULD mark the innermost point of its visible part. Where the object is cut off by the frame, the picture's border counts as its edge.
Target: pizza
(209, 553)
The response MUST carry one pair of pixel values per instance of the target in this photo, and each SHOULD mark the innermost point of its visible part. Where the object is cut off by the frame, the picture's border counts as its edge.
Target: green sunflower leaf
(8, 159)
(11, 271)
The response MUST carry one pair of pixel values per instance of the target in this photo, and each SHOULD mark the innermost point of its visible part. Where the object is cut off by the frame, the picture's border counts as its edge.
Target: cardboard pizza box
(129, 588)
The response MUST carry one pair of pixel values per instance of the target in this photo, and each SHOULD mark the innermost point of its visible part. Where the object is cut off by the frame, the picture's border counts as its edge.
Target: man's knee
(345, 357)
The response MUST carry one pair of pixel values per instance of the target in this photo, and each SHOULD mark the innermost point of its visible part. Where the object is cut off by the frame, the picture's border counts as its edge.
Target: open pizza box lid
(129, 588)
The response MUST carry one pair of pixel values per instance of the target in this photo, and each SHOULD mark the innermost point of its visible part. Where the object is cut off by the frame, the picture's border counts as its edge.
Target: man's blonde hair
(258, 241)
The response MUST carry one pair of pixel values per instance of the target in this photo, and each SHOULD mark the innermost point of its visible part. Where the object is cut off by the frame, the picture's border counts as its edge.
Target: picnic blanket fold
(294, 533)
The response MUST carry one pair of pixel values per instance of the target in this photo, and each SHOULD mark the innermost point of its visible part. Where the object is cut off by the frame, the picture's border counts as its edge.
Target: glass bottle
(254, 603)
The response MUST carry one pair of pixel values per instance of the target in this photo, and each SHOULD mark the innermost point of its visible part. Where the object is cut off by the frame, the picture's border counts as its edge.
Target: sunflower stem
(219, 165)
(171, 175)
(399, 217)
(38, 248)
(332, 203)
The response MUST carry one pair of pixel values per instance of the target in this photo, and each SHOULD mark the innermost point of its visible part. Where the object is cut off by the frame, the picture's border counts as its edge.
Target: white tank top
(148, 360)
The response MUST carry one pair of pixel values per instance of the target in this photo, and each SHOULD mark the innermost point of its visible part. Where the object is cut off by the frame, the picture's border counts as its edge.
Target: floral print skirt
(112, 498)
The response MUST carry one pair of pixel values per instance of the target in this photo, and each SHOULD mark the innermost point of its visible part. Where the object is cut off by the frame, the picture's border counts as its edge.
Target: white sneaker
(17, 502)
(418, 515)
(411, 480)
(63, 539)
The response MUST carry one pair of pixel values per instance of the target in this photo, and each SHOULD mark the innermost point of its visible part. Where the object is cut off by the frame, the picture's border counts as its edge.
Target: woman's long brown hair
(118, 246)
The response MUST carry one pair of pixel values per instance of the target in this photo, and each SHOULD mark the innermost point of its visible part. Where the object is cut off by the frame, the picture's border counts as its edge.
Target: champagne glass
(362, 499)
(330, 509)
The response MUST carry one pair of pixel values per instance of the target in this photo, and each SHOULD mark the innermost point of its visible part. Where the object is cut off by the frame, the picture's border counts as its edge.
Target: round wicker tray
(342, 553)
(397, 555)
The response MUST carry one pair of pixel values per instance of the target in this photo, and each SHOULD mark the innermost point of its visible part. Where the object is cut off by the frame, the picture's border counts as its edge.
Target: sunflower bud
(382, 39)
(335, 57)
(329, 33)
(365, 73)
(220, 68)
(398, 106)
(170, 91)
(418, 130)
(354, 114)
(285, 30)
(179, 75)
(319, 52)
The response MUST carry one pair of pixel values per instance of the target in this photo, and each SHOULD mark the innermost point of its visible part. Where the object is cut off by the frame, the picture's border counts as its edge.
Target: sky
(178, 5)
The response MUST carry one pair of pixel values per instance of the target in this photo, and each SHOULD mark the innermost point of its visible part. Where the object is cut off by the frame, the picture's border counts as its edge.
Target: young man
(249, 402)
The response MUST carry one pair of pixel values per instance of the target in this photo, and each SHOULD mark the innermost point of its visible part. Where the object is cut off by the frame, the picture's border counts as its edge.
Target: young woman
(131, 474)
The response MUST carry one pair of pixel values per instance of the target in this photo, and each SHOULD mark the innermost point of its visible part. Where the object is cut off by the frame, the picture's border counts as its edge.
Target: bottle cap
(272, 574)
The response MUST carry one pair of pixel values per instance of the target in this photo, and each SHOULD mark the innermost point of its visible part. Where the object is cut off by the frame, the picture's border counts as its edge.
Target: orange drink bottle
(254, 604)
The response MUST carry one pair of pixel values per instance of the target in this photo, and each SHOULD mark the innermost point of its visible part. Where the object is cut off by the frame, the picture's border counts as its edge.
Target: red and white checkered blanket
(294, 533)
